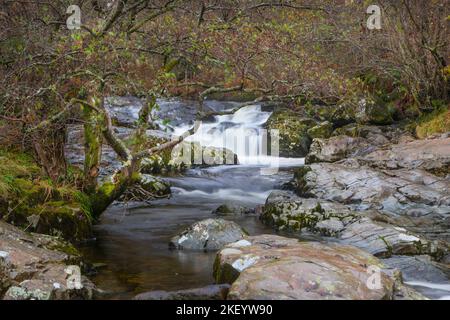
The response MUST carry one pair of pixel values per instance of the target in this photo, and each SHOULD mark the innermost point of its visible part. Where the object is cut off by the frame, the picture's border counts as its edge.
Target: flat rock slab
(273, 267)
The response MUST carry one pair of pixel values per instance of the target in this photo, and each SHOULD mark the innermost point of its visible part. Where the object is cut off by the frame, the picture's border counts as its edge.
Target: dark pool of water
(132, 242)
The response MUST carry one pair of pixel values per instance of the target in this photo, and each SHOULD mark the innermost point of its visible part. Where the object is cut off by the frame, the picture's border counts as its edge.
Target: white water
(242, 133)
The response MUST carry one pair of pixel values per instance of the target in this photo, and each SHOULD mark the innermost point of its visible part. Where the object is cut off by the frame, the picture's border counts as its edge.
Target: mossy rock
(372, 112)
(293, 132)
(323, 130)
(58, 218)
(338, 115)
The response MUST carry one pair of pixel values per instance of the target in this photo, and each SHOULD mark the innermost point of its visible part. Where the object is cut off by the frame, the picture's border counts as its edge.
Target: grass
(434, 123)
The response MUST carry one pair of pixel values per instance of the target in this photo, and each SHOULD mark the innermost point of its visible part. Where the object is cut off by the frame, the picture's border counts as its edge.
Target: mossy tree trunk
(92, 147)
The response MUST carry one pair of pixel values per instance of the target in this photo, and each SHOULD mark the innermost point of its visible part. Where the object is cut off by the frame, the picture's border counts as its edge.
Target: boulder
(34, 266)
(338, 115)
(371, 112)
(212, 292)
(189, 154)
(209, 234)
(288, 212)
(333, 219)
(293, 132)
(337, 148)
(272, 267)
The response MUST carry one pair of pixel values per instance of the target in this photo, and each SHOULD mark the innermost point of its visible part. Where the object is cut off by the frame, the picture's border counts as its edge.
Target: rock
(426, 276)
(330, 227)
(212, 292)
(147, 188)
(323, 130)
(36, 266)
(374, 113)
(399, 192)
(338, 115)
(209, 234)
(189, 154)
(384, 240)
(233, 210)
(337, 148)
(291, 213)
(432, 155)
(273, 267)
(333, 219)
(294, 140)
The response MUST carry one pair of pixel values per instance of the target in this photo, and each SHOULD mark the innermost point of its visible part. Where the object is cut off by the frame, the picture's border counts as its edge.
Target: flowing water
(131, 249)
(132, 242)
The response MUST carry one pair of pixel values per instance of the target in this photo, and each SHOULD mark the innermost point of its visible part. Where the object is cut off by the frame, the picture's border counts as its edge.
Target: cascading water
(242, 132)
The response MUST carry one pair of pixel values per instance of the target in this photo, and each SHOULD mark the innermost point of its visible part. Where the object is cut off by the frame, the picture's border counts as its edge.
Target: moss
(300, 181)
(434, 123)
(294, 140)
(321, 131)
(36, 203)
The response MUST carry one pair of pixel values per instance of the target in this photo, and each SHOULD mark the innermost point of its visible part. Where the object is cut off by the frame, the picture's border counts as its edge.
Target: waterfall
(243, 133)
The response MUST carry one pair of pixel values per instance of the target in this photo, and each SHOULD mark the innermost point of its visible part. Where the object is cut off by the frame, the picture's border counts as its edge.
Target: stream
(131, 253)
(131, 247)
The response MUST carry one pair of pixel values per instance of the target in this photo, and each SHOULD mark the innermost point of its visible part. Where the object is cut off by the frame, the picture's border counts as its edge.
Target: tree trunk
(92, 147)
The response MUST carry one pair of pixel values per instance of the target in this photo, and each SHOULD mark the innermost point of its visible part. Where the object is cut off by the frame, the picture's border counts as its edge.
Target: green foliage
(434, 123)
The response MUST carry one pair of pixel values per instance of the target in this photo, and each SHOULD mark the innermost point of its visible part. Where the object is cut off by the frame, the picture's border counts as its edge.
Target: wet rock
(209, 234)
(337, 148)
(294, 140)
(212, 292)
(423, 274)
(34, 266)
(230, 210)
(273, 267)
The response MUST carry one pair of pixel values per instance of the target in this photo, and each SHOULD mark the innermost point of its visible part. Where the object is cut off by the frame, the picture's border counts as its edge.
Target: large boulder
(371, 112)
(273, 267)
(293, 132)
(209, 234)
(35, 266)
(337, 148)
